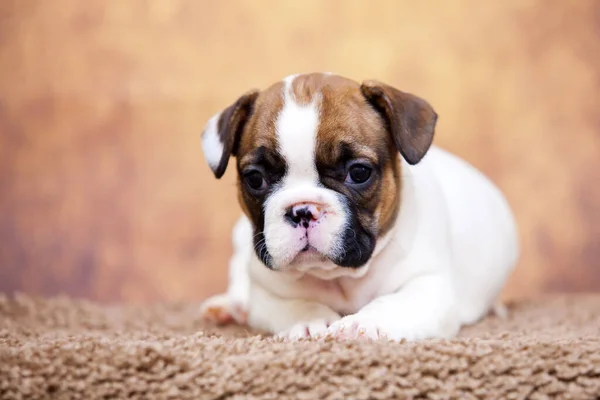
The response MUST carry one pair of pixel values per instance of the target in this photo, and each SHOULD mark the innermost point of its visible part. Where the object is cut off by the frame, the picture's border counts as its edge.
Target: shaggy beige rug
(67, 349)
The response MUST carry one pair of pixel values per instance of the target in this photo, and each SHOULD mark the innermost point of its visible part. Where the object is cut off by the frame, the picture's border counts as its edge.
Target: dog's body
(348, 239)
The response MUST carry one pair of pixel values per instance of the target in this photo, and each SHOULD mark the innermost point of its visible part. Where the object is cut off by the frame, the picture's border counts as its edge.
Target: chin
(314, 263)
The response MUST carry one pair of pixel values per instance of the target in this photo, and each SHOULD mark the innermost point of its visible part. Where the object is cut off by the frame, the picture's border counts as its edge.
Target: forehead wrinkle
(361, 151)
(341, 133)
(248, 159)
(263, 155)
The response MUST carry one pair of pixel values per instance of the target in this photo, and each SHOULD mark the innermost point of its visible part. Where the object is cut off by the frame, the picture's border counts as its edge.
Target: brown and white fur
(419, 248)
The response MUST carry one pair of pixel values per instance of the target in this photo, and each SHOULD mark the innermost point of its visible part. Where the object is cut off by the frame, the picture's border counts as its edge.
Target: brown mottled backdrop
(103, 188)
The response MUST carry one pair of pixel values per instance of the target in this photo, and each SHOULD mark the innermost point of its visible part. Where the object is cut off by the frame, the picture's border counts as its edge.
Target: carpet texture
(67, 349)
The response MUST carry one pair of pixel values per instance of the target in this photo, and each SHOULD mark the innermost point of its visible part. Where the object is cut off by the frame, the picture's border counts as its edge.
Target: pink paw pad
(217, 315)
(220, 310)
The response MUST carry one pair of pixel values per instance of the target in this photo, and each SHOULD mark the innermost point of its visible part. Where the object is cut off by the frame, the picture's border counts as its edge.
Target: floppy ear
(411, 120)
(222, 132)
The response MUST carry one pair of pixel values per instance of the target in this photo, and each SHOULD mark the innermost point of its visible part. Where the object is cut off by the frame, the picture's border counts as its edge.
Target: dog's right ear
(222, 132)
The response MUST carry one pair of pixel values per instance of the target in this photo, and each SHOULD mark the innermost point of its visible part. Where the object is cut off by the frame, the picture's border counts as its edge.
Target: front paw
(354, 327)
(313, 329)
(222, 309)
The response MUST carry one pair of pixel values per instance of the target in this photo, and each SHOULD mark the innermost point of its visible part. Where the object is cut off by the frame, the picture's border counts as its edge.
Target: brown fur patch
(260, 128)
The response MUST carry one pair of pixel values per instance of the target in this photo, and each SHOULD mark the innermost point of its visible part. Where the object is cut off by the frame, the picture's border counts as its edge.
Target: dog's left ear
(222, 132)
(411, 120)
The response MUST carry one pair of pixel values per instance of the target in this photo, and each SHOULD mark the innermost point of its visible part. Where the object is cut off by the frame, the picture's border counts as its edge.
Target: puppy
(354, 224)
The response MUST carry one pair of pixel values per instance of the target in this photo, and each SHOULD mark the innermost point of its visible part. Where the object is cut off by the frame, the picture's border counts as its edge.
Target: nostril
(291, 218)
(304, 213)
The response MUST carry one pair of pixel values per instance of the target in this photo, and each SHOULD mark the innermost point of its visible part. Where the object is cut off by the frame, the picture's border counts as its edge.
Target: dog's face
(318, 166)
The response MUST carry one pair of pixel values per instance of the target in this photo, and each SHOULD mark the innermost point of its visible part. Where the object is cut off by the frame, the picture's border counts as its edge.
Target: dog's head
(318, 166)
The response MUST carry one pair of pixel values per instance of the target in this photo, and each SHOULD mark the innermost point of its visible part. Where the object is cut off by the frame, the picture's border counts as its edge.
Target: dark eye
(358, 173)
(255, 180)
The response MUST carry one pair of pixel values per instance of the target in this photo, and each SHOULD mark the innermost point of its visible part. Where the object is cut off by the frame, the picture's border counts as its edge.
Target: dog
(354, 224)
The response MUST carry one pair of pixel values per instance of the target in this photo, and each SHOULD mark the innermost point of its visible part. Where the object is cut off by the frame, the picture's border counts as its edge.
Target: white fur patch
(296, 129)
(211, 142)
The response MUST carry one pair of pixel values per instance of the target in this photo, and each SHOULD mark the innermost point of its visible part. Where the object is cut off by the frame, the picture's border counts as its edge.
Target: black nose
(297, 216)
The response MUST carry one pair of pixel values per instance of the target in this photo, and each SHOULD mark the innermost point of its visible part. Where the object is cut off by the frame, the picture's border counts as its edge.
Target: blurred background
(104, 191)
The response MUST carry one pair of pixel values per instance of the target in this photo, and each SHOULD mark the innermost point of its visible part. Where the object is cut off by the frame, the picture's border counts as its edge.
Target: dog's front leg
(425, 307)
(288, 318)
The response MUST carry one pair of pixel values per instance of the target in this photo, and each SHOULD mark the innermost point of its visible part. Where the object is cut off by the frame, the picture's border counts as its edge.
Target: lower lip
(309, 254)
(309, 250)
